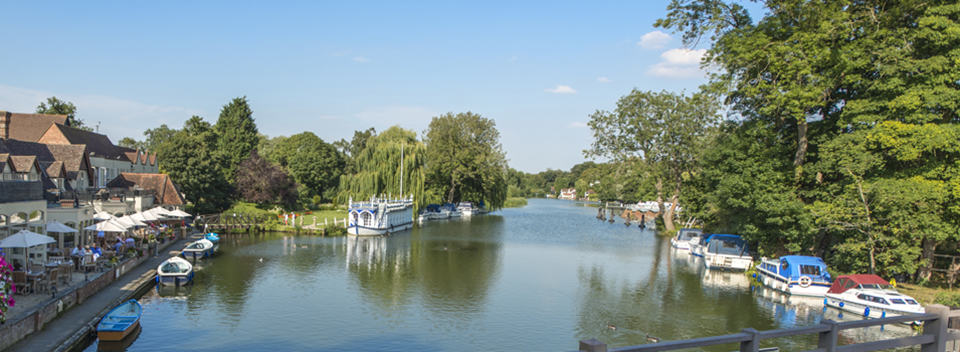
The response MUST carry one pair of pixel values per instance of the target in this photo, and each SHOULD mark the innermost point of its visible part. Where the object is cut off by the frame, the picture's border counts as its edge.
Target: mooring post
(937, 328)
(752, 345)
(828, 339)
(592, 345)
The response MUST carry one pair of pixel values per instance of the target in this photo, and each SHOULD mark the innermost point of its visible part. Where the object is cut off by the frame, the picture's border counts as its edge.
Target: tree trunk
(659, 186)
(926, 255)
(801, 143)
(453, 190)
(668, 214)
(873, 260)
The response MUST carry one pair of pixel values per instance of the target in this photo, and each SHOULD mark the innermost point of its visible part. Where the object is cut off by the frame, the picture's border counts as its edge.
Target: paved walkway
(67, 325)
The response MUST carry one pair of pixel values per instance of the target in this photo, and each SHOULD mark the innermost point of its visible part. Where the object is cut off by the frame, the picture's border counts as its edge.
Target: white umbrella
(145, 216)
(160, 211)
(180, 213)
(130, 221)
(102, 216)
(56, 226)
(107, 226)
(26, 239)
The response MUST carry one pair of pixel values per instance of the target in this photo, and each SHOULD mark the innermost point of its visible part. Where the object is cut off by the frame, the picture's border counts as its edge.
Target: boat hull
(726, 262)
(356, 230)
(791, 287)
(681, 245)
(117, 335)
(175, 280)
(860, 307)
(120, 321)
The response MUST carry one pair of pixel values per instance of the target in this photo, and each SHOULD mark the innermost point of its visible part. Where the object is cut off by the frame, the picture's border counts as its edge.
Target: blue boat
(795, 275)
(120, 321)
(212, 237)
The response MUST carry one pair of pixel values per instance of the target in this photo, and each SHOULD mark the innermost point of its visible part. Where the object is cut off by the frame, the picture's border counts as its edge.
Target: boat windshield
(174, 268)
(688, 235)
(727, 247)
(876, 286)
(813, 270)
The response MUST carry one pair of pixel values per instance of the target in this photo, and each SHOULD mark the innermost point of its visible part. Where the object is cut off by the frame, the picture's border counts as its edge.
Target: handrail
(934, 338)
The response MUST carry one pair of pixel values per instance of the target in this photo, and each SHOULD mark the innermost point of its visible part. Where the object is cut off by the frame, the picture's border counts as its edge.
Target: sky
(537, 69)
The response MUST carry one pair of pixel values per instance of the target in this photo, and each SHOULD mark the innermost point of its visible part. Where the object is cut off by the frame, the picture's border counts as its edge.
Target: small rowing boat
(175, 271)
(120, 321)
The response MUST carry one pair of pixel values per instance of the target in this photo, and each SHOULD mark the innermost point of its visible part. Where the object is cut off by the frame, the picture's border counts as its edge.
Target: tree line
(839, 136)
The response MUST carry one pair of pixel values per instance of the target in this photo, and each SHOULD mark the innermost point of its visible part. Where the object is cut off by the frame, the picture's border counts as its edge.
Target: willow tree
(379, 168)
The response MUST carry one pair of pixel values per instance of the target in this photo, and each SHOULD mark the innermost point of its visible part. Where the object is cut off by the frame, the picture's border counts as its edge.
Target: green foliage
(259, 181)
(55, 106)
(130, 143)
(380, 169)
(189, 157)
(156, 137)
(515, 202)
(315, 165)
(352, 149)
(236, 134)
(466, 159)
(948, 298)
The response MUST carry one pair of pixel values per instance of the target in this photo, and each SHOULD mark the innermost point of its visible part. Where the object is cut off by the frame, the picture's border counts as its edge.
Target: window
(896, 301)
(367, 219)
(910, 301)
(813, 270)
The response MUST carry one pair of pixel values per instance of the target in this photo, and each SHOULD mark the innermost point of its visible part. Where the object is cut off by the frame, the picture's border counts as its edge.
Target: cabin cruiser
(795, 275)
(685, 238)
(871, 296)
(175, 271)
(449, 210)
(726, 252)
(380, 216)
(467, 209)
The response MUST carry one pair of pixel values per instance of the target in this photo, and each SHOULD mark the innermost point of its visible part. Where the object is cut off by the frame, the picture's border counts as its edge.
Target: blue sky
(537, 69)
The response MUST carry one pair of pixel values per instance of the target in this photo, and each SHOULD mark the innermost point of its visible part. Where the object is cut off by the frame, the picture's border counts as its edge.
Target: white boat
(450, 211)
(201, 248)
(870, 296)
(379, 216)
(726, 252)
(795, 275)
(175, 271)
(685, 238)
(467, 209)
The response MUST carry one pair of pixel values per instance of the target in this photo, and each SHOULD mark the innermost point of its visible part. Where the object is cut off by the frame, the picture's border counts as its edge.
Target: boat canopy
(687, 234)
(432, 208)
(795, 266)
(726, 244)
(846, 282)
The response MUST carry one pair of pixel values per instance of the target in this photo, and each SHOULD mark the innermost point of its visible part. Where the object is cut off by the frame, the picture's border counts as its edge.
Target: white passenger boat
(380, 216)
(685, 238)
(795, 275)
(726, 252)
(870, 296)
(175, 271)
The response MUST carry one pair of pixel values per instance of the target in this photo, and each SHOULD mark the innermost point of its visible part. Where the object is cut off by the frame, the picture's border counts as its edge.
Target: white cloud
(561, 89)
(577, 124)
(361, 59)
(117, 117)
(603, 79)
(679, 63)
(683, 56)
(654, 40)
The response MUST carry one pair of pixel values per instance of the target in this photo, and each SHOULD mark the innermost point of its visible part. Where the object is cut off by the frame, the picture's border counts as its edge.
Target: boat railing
(935, 336)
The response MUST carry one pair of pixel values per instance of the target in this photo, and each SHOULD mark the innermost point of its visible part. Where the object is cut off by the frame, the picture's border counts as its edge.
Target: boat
(379, 216)
(726, 252)
(697, 247)
(449, 210)
(122, 345)
(871, 296)
(212, 237)
(175, 271)
(467, 209)
(430, 212)
(795, 275)
(201, 248)
(120, 321)
(685, 238)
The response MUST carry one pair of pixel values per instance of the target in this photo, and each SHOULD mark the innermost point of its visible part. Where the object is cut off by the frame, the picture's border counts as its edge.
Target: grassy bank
(515, 202)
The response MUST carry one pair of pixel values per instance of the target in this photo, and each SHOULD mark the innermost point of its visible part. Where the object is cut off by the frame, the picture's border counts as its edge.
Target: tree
(263, 183)
(352, 148)
(236, 134)
(379, 169)
(466, 159)
(189, 156)
(131, 143)
(313, 163)
(55, 106)
(662, 132)
(157, 136)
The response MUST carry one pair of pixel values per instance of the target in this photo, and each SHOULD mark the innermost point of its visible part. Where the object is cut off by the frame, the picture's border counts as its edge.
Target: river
(537, 278)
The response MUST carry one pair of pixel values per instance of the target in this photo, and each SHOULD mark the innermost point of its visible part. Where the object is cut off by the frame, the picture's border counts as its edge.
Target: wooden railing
(934, 338)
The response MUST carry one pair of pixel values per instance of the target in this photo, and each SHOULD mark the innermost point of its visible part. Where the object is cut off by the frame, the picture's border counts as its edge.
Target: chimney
(4, 124)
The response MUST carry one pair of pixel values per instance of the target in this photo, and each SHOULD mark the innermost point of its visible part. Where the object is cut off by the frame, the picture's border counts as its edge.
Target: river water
(537, 278)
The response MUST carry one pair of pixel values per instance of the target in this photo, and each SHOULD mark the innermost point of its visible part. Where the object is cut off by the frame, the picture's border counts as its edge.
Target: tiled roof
(29, 127)
(3, 160)
(161, 184)
(54, 169)
(23, 163)
(133, 156)
(97, 144)
(74, 157)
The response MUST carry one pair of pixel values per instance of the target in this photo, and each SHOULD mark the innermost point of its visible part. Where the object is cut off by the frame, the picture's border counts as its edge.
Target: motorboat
(430, 212)
(379, 216)
(795, 275)
(697, 247)
(726, 252)
(120, 321)
(201, 248)
(212, 237)
(871, 296)
(450, 210)
(175, 271)
(467, 209)
(686, 237)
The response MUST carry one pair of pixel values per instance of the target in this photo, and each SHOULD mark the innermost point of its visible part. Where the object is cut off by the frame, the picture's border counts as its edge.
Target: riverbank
(65, 321)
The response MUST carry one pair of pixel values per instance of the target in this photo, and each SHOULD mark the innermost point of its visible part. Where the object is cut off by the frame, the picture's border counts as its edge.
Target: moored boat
(686, 237)
(871, 296)
(120, 321)
(795, 275)
(450, 210)
(379, 217)
(175, 271)
(467, 209)
(201, 248)
(726, 252)
(212, 237)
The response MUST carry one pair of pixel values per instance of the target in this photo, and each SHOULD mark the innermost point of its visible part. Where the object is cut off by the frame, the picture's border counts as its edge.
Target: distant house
(590, 195)
(568, 193)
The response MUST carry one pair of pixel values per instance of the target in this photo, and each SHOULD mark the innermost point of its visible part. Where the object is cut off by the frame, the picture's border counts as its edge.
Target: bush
(948, 298)
(515, 202)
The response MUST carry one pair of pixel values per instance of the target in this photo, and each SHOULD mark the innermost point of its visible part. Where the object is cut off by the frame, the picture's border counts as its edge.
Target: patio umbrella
(180, 213)
(160, 211)
(145, 216)
(26, 239)
(60, 229)
(102, 216)
(107, 226)
(130, 221)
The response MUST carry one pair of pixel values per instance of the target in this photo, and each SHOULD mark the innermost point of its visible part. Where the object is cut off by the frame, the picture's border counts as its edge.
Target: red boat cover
(846, 282)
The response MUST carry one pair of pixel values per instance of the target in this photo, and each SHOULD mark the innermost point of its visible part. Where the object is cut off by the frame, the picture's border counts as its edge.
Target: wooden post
(937, 328)
(592, 345)
(828, 339)
(752, 345)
